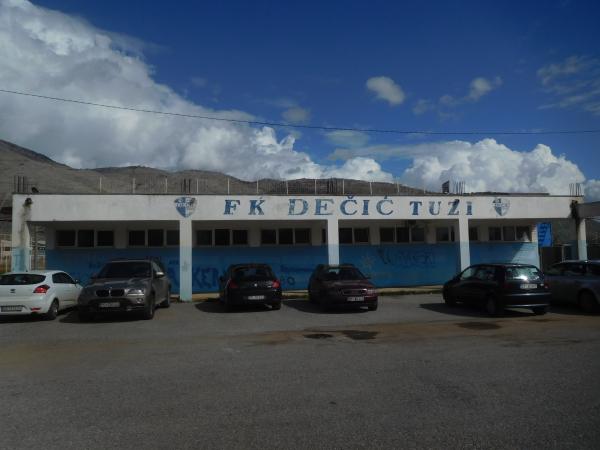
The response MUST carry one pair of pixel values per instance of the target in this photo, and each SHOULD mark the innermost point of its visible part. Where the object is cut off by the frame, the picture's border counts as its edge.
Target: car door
(69, 288)
(555, 280)
(483, 283)
(61, 290)
(160, 283)
(573, 278)
(463, 289)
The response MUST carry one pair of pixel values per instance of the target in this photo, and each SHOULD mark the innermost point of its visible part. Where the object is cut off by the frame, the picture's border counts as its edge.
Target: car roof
(503, 265)
(131, 260)
(333, 266)
(235, 266)
(33, 272)
(584, 261)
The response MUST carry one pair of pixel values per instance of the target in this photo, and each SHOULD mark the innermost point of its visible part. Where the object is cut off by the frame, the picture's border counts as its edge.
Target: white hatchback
(37, 292)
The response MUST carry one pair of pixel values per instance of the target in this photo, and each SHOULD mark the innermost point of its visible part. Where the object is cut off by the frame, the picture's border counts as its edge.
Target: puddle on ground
(358, 335)
(318, 336)
(479, 325)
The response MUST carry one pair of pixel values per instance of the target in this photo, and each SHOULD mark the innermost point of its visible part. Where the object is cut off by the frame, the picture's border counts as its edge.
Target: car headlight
(135, 291)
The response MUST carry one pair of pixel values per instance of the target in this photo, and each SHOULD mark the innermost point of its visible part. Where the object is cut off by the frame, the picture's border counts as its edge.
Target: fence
(216, 184)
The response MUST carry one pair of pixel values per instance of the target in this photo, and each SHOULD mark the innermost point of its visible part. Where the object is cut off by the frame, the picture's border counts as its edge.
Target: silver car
(575, 282)
(126, 286)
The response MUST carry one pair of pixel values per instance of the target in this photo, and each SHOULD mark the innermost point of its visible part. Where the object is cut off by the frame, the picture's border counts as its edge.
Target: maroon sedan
(337, 285)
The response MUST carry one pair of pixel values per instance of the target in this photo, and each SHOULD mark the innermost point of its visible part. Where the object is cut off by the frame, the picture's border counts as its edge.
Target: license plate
(528, 286)
(11, 308)
(109, 305)
(356, 299)
(256, 297)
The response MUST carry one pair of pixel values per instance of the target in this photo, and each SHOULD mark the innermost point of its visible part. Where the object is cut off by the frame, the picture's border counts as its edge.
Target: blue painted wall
(388, 265)
(502, 252)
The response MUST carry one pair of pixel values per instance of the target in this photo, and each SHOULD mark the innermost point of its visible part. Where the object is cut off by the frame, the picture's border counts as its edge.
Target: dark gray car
(576, 282)
(126, 286)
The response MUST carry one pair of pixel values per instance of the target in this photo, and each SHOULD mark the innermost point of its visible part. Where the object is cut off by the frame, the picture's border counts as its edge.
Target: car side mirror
(159, 274)
(76, 282)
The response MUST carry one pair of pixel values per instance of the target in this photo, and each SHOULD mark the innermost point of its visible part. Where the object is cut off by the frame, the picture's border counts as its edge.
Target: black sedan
(499, 286)
(245, 284)
(341, 285)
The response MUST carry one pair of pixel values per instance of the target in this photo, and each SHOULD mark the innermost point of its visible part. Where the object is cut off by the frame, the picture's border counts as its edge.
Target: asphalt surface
(414, 374)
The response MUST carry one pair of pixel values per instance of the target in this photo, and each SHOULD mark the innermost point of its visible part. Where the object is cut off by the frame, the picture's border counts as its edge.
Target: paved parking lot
(413, 374)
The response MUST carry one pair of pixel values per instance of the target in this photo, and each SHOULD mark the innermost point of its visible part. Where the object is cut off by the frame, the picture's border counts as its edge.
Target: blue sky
(437, 66)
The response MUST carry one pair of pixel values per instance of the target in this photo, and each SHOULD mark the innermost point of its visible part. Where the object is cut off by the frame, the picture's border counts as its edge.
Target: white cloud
(482, 86)
(296, 115)
(573, 83)
(347, 138)
(592, 190)
(51, 53)
(478, 88)
(386, 89)
(485, 166)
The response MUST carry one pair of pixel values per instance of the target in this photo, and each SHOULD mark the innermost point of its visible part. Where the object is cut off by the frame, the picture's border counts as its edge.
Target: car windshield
(258, 272)
(22, 279)
(343, 273)
(524, 273)
(125, 270)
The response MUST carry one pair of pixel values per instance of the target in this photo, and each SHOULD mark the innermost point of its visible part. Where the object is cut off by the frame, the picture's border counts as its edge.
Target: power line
(311, 127)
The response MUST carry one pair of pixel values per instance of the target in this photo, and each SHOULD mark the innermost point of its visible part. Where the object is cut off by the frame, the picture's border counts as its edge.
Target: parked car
(343, 284)
(43, 293)
(576, 282)
(126, 285)
(245, 284)
(499, 286)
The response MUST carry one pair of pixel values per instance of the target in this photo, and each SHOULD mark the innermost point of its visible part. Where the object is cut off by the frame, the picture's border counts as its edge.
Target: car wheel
(167, 301)
(148, 313)
(588, 302)
(52, 311)
(540, 311)
(492, 307)
(276, 306)
(373, 307)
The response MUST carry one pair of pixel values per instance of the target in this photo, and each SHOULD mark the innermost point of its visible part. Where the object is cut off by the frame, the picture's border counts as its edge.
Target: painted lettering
(230, 206)
(343, 206)
(322, 205)
(256, 205)
(365, 211)
(415, 207)
(453, 207)
(292, 209)
(379, 206)
(432, 208)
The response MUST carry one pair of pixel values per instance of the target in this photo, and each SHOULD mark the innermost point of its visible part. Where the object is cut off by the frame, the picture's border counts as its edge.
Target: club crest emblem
(185, 206)
(500, 206)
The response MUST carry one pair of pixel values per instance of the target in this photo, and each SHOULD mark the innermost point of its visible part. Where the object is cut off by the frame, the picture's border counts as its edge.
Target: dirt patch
(318, 336)
(360, 335)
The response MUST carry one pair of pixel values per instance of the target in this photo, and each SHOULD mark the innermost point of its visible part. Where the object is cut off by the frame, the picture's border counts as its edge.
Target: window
(386, 235)
(442, 234)
(286, 236)
(222, 236)
(508, 233)
(345, 235)
(361, 235)
(302, 235)
(402, 234)
(65, 238)
(137, 238)
(417, 234)
(105, 238)
(473, 234)
(240, 237)
(468, 273)
(85, 238)
(495, 233)
(485, 273)
(204, 237)
(156, 238)
(172, 237)
(323, 236)
(574, 269)
(268, 237)
(523, 234)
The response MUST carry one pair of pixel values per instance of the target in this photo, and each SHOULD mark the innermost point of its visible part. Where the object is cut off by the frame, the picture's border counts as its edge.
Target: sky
(476, 68)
